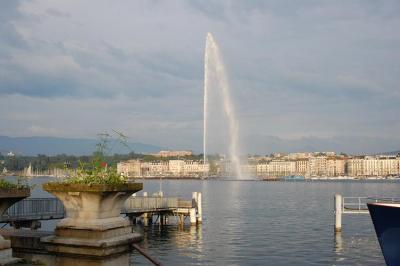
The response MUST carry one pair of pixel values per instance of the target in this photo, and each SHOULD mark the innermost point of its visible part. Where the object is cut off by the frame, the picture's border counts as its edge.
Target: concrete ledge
(25, 239)
(93, 234)
(15, 193)
(92, 247)
(94, 224)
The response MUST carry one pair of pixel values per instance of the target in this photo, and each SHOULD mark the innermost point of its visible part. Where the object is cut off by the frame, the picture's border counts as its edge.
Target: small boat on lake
(293, 178)
(386, 219)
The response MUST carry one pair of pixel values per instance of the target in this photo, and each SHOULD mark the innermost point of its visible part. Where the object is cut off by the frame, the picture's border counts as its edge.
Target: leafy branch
(97, 171)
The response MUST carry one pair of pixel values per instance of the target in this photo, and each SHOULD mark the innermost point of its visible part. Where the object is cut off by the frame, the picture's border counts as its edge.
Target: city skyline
(321, 71)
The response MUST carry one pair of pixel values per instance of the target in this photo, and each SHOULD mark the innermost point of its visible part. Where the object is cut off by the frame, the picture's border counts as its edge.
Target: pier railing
(52, 208)
(35, 209)
(29, 212)
(359, 204)
(352, 204)
(150, 203)
(355, 205)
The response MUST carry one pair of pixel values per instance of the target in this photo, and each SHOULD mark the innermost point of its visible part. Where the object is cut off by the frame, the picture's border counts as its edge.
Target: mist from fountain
(215, 78)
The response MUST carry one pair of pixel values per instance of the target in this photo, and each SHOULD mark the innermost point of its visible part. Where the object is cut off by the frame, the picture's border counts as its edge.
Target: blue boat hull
(386, 219)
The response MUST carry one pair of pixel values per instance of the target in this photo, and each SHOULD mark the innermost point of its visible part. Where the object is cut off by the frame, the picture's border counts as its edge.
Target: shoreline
(232, 179)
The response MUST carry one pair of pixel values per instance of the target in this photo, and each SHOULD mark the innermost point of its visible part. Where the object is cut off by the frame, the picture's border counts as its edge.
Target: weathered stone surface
(94, 224)
(26, 244)
(92, 206)
(120, 259)
(92, 187)
(25, 239)
(93, 230)
(15, 193)
(93, 234)
(90, 247)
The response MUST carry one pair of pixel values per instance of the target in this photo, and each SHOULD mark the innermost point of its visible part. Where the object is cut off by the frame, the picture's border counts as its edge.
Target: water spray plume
(213, 64)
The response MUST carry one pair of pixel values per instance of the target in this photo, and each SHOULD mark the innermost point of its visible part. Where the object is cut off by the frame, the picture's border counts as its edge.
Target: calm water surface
(264, 223)
(268, 223)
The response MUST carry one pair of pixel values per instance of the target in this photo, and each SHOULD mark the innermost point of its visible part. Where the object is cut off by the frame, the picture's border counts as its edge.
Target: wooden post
(199, 209)
(181, 219)
(145, 219)
(338, 213)
(194, 199)
(192, 216)
(194, 205)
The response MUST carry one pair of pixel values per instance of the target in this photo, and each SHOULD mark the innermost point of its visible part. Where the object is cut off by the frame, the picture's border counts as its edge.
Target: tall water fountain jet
(215, 69)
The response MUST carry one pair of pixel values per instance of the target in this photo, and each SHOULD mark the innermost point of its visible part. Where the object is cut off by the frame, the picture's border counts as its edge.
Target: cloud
(296, 69)
(57, 13)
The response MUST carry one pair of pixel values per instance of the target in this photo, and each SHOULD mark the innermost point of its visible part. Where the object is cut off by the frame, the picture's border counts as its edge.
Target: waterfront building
(165, 154)
(355, 166)
(381, 166)
(278, 168)
(154, 168)
(131, 168)
(262, 169)
(335, 166)
(299, 155)
(191, 168)
(176, 167)
(302, 167)
(278, 155)
(317, 165)
(259, 159)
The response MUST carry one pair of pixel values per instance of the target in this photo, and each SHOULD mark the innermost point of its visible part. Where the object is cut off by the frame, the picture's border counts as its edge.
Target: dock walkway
(29, 212)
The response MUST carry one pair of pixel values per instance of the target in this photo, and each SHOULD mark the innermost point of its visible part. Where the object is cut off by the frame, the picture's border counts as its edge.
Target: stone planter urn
(7, 198)
(93, 230)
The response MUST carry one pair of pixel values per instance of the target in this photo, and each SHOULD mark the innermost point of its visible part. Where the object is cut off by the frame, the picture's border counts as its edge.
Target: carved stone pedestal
(93, 232)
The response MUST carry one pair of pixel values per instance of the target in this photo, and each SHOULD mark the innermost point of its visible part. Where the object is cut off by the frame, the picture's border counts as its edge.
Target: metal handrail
(35, 206)
(53, 207)
(150, 203)
(354, 203)
(360, 203)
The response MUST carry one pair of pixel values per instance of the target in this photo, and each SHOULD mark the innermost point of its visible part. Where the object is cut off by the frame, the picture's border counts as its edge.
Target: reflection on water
(338, 243)
(179, 243)
(258, 223)
(274, 223)
(338, 247)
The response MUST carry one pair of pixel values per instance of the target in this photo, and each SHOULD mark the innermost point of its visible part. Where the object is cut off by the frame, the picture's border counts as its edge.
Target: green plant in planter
(4, 184)
(98, 171)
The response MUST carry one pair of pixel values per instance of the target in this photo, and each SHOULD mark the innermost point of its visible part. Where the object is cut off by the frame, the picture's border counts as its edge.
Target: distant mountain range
(256, 144)
(262, 144)
(70, 146)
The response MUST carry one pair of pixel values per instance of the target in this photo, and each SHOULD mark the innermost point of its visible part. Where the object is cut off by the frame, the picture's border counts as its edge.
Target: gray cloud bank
(328, 69)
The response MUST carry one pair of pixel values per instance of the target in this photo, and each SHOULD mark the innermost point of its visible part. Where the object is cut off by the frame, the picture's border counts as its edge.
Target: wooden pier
(145, 209)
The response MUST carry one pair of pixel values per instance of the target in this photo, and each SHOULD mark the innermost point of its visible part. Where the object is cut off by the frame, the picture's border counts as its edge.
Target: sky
(298, 70)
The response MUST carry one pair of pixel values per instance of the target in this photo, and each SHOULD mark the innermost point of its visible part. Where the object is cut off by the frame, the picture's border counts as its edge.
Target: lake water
(268, 223)
(264, 223)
